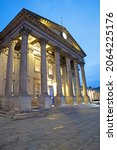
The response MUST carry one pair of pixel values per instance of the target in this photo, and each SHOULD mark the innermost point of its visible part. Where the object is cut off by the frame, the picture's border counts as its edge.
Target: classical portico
(40, 64)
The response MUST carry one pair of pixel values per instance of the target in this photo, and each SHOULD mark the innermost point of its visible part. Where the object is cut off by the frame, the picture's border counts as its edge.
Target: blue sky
(80, 17)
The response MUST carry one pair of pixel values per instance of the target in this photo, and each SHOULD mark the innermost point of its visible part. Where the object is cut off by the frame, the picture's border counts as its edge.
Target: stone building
(38, 60)
(94, 94)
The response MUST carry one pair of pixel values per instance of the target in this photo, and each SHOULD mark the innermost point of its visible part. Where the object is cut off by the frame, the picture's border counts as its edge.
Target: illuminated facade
(94, 94)
(39, 60)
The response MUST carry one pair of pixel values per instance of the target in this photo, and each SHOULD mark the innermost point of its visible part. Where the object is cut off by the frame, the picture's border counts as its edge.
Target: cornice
(31, 17)
(17, 20)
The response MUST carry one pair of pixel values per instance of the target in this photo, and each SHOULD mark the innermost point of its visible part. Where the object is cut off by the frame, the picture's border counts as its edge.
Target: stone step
(41, 112)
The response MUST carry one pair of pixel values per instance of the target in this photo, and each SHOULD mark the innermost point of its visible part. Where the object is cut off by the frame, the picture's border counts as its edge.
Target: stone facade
(39, 64)
(94, 94)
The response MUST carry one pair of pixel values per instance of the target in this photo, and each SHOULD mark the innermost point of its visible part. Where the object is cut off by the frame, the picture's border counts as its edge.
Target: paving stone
(66, 128)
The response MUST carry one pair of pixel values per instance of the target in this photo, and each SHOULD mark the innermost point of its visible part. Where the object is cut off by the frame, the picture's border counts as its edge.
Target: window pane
(61, 71)
(50, 71)
(37, 65)
(13, 68)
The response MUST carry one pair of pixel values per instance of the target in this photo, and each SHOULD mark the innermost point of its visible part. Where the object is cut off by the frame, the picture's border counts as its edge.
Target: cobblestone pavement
(76, 128)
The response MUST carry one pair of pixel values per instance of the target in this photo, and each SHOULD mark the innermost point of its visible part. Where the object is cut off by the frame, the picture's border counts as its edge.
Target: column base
(86, 99)
(19, 103)
(45, 101)
(69, 100)
(79, 99)
(74, 100)
(2, 102)
(60, 101)
(22, 102)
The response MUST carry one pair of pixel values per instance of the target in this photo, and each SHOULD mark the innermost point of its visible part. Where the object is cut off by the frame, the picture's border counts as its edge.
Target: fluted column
(69, 77)
(23, 61)
(59, 97)
(9, 68)
(69, 82)
(22, 101)
(58, 73)
(43, 67)
(86, 98)
(64, 79)
(78, 89)
(44, 99)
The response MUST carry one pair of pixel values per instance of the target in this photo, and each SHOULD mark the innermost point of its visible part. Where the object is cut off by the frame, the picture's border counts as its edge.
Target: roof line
(42, 17)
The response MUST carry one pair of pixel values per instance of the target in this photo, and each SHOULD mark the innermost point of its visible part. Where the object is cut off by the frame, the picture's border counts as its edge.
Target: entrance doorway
(36, 93)
(36, 88)
(51, 93)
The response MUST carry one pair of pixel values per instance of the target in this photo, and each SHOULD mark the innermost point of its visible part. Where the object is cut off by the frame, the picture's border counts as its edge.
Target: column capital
(68, 56)
(12, 42)
(82, 63)
(24, 31)
(43, 41)
(76, 61)
(1, 48)
(57, 49)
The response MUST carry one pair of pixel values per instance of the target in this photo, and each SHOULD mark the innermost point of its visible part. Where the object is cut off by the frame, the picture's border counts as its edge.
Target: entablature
(38, 32)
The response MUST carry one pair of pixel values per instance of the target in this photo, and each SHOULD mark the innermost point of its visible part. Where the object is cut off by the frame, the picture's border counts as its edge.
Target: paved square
(71, 128)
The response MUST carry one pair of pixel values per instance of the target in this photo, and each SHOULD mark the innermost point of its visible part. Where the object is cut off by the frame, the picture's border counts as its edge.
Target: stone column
(9, 69)
(86, 98)
(59, 100)
(23, 102)
(43, 67)
(65, 80)
(78, 89)
(69, 97)
(23, 62)
(44, 99)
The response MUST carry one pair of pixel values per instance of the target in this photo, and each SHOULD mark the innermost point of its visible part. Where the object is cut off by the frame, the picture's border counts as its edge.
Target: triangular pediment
(49, 25)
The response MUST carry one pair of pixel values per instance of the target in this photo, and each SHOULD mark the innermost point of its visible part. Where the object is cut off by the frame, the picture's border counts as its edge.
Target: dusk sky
(80, 17)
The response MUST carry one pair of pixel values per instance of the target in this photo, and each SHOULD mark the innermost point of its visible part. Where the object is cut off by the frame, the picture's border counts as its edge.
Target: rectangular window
(12, 89)
(37, 90)
(61, 70)
(37, 65)
(13, 68)
(50, 69)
